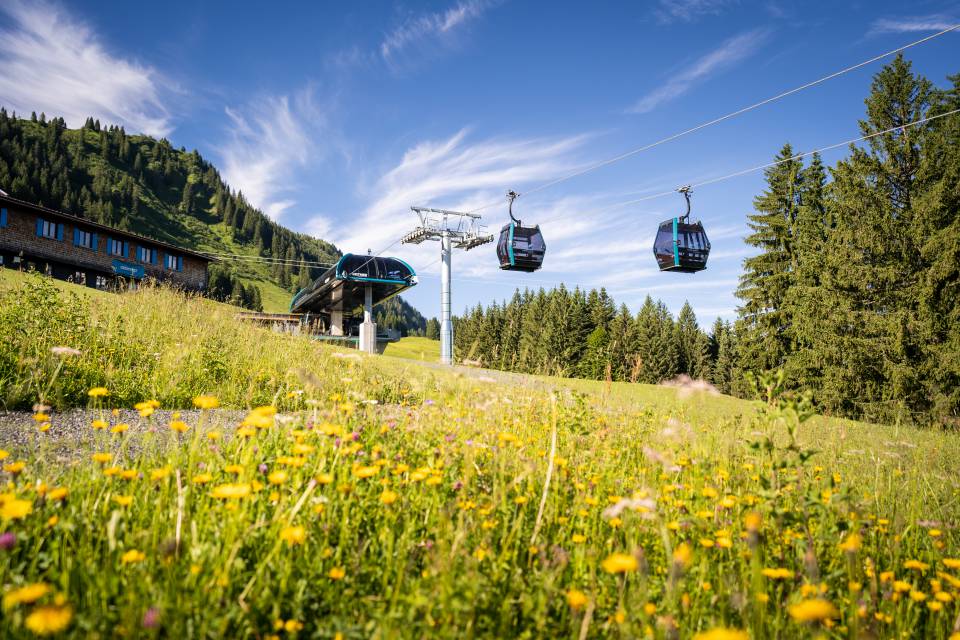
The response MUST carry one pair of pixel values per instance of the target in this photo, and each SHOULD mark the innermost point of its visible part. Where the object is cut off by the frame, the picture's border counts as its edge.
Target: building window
(174, 263)
(146, 255)
(84, 239)
(47, 229)
(3, 217)
(117, 248)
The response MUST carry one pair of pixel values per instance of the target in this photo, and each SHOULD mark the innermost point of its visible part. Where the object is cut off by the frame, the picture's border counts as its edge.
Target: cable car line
(732, 114)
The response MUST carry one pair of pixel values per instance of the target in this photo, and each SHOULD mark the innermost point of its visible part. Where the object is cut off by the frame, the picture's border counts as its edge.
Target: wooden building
(72, 248)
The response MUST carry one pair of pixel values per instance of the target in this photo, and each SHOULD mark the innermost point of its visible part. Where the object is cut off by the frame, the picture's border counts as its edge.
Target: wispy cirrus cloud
(689, 10)
(725, 56)
(51, 61)
(426, 30)
(267, 143)
(912, 24)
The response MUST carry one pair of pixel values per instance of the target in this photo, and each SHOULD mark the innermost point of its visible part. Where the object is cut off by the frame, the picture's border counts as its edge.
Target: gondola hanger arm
(686, 191)
(511, 196)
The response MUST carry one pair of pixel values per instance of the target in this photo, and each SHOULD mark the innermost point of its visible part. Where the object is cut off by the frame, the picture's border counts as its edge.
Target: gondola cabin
(521, 248)
(681, 246)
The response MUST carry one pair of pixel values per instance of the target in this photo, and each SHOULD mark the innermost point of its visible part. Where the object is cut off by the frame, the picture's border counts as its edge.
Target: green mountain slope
(145, 185)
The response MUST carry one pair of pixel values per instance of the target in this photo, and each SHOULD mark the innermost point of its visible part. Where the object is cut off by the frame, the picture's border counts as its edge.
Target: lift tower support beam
(454, 230)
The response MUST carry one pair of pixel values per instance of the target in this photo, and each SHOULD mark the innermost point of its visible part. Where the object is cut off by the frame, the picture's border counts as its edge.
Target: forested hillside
(397, 313)
(142, 184)
(853, 292)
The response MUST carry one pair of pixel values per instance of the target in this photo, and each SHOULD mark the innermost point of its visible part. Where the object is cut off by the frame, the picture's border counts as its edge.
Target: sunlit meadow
(308, 492)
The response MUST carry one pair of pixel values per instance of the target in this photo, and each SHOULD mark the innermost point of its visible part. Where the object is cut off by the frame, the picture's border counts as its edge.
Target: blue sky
(334, 118)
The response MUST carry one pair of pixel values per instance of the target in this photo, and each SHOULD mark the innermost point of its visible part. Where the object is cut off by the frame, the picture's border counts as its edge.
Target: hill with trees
(145, 185)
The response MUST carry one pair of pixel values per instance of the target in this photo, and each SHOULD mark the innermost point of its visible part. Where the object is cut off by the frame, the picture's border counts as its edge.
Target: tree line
(853, 291)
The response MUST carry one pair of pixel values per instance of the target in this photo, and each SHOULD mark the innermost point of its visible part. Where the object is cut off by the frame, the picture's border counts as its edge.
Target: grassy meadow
(371, 497)
(414, 348)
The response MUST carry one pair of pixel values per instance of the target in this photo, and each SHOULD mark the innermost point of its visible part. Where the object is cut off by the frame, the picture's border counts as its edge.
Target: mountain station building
(68, 247)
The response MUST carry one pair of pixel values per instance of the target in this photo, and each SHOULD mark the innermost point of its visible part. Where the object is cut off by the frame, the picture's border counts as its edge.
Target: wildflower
(277, 477)
(682, 555)
(99, 425)
(151, 618)
(619, 563)
(52, 521)
(851, 543)
(578, 538)
(292, 626)
(213, 435)
(324, 478)
(918, 596)
(336, 573)
(366, 471)
(160, 474)
(128, 474)
(146, 409)
(57, 494)
(132, 557)
(41, 417)
(4, 454)
(916, 565)
(25, 595)
(951, 563)
(901, 586)
(615, 522)
(14, 467)
(15, 509)
(576, 599)
(388, 497)
(179, 426)
(98, 392)
(49, 620)
(521, 500)
(935, 606)
(778, 573)
(120, 428)
(8, 540)
(722, 634)
(706, 542)
(206, 402)
(235, 469)
(812, 610)
(102, 458)
(231, 491)
(202, 478)
(123, 501)
(293, 535)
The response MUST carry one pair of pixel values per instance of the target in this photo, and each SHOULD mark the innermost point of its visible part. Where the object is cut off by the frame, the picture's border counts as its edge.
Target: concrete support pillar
(336, 322)
(446, 324)
(368, 330)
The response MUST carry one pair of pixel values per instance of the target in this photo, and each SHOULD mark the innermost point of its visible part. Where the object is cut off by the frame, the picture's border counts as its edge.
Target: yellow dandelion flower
(132, 556)
(57, 494)
(98, 392)
(277, 477)
(160, 474)
(4, 454)
(851, 543)
(246, 432)
(812, 610)
(15, 467)
(709, 492)
(206, 402)
(41, 417)
(324, 478)
(123, 501)
(128, 474)
(336, 573)
(231, 491)
(120, 428)
(951, 563)
(683, 555)
(99, 425)
(916, 565)
(918, 596)
(293, 535)
(388, 497)
(102, 458)
(235, 469)
(48, 620)
(25, 595)
(778, 573)
(521, 500)
(15, 509)
(576, 599)
(179, 426)
(202, 478)
(706, 542)
(292, 626)
(578, 538)
(615, 522)
(52, 521)
(619, 563)
(366, 471)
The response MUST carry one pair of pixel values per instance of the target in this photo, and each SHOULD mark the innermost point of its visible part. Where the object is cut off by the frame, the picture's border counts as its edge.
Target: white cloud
(689, 10)
(912, 24)
(51, 62)
(729, 53)
(429, 30)
(268, 143)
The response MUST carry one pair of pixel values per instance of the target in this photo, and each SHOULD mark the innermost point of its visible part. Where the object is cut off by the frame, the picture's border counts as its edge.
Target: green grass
(413, 348)
(392, 499)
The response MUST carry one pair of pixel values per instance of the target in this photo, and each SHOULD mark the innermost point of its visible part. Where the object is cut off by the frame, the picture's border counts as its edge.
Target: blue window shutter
(154, 256)
(126, 250)
(96, 242)
(60, 232)
(3, 217)
(179, 263)
(76, 237)
(40, 227)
